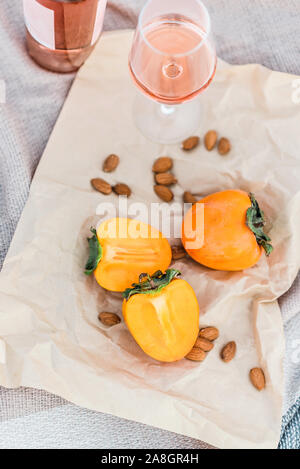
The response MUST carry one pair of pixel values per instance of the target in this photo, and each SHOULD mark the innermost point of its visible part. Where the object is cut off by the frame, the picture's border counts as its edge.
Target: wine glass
(172, 60)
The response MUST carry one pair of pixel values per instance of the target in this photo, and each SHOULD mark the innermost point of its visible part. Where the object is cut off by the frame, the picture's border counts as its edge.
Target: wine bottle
(61, 34)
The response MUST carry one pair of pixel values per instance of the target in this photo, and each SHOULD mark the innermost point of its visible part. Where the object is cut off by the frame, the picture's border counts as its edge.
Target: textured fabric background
(261, 31)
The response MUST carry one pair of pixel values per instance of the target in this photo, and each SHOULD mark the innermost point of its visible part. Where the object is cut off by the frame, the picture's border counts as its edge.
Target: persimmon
(122, 248)
(162, 314)
(232, 231)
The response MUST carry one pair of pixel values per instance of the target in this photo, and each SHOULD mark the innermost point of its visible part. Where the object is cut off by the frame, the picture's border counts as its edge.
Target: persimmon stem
(255, 220)
(95, 253)
(154, 283)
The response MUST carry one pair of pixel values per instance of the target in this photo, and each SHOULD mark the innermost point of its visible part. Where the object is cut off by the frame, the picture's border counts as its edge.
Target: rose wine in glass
(172, 60)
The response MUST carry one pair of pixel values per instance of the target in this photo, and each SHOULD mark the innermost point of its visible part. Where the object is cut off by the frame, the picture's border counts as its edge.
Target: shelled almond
(205, 344)
(109, 319)
(189, 198)
(210, 139)
(257, 378)
(224, 146)
(122, 189)
(190, 143)
(110, 163)
(210, 333)
(196, 355)
(163, 192)
(228, 352)
(162, 164)
(178, 252)
(166, 179)
(101, 186)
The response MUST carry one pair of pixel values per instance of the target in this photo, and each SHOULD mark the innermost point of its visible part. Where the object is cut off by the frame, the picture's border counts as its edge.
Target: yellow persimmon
(122, 248)
(162, 314)
(231, 231)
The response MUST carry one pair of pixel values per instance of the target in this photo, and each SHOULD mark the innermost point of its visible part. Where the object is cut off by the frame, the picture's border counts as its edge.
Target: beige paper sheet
(50, 337)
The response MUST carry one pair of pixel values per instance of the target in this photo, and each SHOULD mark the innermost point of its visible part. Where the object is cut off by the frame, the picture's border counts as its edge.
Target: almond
(196, 354)
(163, 192)
(165, 178)
(101, 186)
(257, 378)
(178, 252)
(228, 352)
(109, 319)
(209, 333)
(110, 163)
(162, 164)
(204, 344)
(210, 139)
(188, 198)
(190, 143)
(224, 146)
(122, 189)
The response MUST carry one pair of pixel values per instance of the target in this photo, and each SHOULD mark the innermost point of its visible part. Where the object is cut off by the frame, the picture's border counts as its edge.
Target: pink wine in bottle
(61, 34)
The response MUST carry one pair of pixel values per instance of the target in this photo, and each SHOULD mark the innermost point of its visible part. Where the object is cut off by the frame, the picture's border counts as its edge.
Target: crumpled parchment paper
(50, 336)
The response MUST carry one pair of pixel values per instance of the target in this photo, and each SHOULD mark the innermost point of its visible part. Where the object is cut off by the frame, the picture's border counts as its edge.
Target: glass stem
(167, 109)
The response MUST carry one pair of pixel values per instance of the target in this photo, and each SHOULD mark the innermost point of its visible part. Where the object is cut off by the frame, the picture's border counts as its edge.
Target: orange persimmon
(162, 314)
(122, 248)
(231, 231)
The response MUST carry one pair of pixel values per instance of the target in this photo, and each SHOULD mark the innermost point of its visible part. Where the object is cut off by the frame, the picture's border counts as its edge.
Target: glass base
(163, 123)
